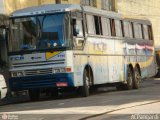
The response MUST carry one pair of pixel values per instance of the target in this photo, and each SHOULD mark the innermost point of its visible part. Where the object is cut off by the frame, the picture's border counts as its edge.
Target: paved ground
(105, 104)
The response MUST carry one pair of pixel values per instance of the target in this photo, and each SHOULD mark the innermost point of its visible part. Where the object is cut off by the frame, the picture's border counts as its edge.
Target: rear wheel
(130, 78)
(84, 90)
(34, 94)
(137, 78)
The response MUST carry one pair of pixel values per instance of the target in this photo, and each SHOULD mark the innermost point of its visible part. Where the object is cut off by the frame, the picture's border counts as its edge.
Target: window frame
(112, 26)
(150, 32)
(98, 25)
(118, 28)
(106, 28)
(91, 24)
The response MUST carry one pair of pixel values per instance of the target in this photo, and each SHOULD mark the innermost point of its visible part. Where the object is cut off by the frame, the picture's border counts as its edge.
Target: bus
(72, 46)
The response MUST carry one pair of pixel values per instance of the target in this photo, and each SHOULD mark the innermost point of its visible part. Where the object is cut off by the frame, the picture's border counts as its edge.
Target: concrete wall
(1, 7)
(146, 9)
(12, 5)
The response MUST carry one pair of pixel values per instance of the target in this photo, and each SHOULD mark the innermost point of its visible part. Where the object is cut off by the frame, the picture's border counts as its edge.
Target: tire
(0, 95)
(130, 79)
(54, 93)
(34, 95)
(137, 79)
(84, 90)
(120, 86)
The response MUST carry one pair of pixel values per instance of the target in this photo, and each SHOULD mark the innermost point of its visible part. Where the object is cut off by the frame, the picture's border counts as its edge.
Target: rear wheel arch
(130, 66)
(89, 69)
(87, 81)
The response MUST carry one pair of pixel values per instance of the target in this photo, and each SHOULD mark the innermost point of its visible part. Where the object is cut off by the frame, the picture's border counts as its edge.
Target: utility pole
(39, 2)
(58, 1)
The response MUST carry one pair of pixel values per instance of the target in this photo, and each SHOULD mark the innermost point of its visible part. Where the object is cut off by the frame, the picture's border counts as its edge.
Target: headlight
(17, 74)
(14, 74)
(57, 70)
(61, 70)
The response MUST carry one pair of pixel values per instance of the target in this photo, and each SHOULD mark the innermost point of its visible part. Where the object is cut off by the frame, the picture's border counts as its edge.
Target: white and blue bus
(73, 46)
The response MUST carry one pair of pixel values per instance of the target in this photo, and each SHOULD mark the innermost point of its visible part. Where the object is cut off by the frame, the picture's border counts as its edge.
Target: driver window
(77, 28)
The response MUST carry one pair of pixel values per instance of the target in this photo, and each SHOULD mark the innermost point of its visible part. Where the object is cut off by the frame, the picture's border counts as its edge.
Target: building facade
(145, 9)
(12, 5)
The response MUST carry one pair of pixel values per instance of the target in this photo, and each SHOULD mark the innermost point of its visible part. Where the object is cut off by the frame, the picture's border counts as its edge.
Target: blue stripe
(40, 81)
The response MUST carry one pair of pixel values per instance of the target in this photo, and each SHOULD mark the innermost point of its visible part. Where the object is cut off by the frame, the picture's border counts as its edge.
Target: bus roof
(141, 21)
(55, 8)
(51, 8)
(102, 12)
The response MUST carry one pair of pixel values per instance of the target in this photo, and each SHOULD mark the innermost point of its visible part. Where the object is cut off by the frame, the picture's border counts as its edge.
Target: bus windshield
(39, 32)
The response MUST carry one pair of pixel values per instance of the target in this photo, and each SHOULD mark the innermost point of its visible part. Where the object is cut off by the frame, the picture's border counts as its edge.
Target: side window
(113, 30)
(106, 26)
(136, 30)
(98, 25)
(145, 31)
(118, 28)
(132, 27)
(90, 24)
(150, 32)
(77, 25)
(77, 28)
(140, 31)
(128, 29)
(121, 21)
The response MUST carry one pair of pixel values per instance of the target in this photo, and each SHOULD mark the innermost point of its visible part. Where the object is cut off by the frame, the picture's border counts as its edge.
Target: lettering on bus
(100, 46)
(17, 58)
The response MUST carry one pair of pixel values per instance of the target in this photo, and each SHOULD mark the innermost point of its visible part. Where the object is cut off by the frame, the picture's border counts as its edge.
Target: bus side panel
(97, 60)
(151, 64)
(142, 59)
(116, 62)
(130, 55)
(79, 64)
(80, 60)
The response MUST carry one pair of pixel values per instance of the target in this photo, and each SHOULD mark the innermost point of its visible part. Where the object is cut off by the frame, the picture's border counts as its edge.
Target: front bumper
(40, 81)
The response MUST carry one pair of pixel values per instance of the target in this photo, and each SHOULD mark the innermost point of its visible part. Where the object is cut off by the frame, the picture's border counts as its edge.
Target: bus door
(78, 45)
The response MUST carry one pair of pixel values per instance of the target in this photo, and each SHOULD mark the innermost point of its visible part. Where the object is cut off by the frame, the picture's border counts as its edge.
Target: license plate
(61, 84)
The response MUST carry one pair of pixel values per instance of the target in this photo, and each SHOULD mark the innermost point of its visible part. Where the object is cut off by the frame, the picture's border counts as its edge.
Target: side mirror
(3, 34)
(78, 42)
(77, 30)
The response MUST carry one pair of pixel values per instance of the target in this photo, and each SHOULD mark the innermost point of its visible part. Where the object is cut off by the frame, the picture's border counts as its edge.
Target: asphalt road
(107, 103)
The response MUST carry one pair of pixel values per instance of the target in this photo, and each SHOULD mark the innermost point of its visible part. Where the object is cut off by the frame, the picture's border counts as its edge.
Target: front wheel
(84, 90)
(34, 94)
